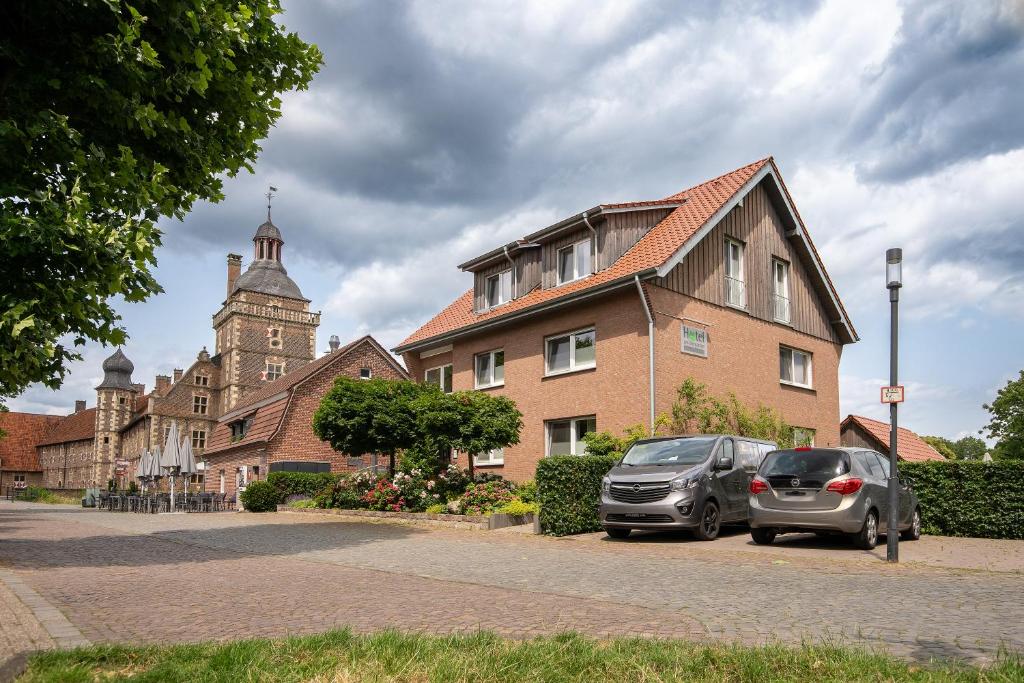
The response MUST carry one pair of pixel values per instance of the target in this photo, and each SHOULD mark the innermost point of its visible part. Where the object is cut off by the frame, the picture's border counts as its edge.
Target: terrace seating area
(114, 501)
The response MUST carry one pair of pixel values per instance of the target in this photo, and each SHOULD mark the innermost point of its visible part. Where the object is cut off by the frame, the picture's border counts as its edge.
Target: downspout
(593, 245)
(650, 347)
(513, 263)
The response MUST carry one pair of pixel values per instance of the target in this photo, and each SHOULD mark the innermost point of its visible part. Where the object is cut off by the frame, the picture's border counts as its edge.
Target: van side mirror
(724, 463)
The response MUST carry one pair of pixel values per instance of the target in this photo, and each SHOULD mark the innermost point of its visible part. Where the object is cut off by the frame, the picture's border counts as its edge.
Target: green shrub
(35, 494)
(527, 491)
(962, 498)
(261, 496)
(303, 504)
(301, 483)
(437, 509)
(518, 508)
(569, 492)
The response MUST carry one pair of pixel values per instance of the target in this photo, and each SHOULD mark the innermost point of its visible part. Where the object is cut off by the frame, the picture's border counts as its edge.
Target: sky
(438, 131)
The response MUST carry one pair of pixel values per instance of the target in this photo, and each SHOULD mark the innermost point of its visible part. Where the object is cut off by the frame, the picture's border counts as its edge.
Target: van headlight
(606, 484)
(683, 483)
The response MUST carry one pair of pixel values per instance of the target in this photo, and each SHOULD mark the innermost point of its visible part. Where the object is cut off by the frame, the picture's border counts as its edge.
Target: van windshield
(687, 451)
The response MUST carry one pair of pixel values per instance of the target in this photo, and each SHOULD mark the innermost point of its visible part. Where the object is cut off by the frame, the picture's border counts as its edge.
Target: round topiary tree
(261, 496)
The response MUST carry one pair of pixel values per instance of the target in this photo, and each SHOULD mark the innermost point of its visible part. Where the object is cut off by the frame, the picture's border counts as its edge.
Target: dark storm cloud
(951, 89)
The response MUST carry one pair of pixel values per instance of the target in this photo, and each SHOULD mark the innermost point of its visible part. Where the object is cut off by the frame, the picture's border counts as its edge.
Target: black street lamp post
(893, 282)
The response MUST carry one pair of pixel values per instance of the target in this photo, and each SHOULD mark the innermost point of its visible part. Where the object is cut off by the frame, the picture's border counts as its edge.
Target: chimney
(163, 382)
(79, 406)
(234, 270)
(178, 372)
(334, 343)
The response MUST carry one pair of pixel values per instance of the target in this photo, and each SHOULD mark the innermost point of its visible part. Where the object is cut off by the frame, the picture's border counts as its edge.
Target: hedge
(301, 483)
(979, 499)
(569, 492)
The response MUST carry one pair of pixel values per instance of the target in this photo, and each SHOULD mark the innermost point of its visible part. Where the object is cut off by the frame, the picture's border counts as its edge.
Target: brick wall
(79, 469)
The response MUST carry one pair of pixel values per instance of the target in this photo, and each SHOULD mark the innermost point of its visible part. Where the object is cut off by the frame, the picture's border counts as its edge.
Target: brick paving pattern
(167, 578)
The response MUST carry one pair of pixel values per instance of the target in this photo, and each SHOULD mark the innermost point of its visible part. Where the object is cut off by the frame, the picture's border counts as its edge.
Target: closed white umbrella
(140, 468)
(188, 464)
(153, 465)
(170, 459)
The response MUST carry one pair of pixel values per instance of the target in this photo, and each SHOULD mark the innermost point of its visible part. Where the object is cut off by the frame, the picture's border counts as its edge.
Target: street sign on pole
(892, 394)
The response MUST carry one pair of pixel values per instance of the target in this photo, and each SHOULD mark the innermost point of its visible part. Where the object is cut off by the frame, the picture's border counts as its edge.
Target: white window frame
(492, 383)
(548, 424)
(505, 275)
(266, 371)
(575, 246)
(440, 375)
(368, 375)
(781, 297)
(792, 365)
(731, 277)
(492, 457)
(573, 367)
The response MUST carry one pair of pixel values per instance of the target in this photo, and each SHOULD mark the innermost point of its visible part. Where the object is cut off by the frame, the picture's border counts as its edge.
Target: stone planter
(486, 522)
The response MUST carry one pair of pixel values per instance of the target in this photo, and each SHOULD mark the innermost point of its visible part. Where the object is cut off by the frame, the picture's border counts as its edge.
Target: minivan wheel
(763, 535)
(914, 532)
(710, 522)
(617, 532)
(867, 537)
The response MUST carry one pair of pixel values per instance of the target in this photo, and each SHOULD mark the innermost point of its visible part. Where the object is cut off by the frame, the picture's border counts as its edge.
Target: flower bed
(486, 522)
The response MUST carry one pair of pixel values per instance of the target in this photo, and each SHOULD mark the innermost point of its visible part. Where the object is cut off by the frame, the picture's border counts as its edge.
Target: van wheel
(914, 532)
(867, 537)
(616, 532)
(710, 522)
(764, 535)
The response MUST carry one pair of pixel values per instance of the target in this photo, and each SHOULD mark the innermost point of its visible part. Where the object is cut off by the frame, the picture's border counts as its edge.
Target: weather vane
(270, 195)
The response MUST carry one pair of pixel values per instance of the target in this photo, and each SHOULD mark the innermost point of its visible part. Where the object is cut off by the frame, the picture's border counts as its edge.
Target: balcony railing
(264, 311)
(735, 293)
(781, 309)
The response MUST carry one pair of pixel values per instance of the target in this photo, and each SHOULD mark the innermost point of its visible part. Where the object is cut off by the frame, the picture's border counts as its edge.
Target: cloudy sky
(436, 131)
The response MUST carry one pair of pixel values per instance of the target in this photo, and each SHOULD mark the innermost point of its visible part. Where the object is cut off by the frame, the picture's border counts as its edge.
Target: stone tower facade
(115, 402)
(265, 329)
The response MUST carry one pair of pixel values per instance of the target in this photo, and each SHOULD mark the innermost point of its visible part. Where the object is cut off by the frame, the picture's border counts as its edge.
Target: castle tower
(115, 399)
(264, 329)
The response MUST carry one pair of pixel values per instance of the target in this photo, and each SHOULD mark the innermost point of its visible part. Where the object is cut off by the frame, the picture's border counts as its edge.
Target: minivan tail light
(758, 486)
(846, 487)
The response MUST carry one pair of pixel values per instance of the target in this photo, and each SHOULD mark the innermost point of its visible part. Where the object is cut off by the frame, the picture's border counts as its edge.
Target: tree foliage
(468, 421)
(1007, 422)
(943, 445)
(696, 411)
(114, 115)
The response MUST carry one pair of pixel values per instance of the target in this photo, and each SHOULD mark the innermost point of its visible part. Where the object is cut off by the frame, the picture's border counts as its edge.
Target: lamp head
(893, 268)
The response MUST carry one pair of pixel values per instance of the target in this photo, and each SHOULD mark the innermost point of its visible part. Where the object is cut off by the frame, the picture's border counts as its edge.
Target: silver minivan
(694, 482)
(828, 490)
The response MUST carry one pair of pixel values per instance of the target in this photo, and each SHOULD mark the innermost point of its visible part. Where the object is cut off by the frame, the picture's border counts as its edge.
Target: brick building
(592, 323)
(19, 462)
(272, 429)
(263, 331)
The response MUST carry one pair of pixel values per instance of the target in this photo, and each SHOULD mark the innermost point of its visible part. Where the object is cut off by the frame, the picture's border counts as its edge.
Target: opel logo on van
(795, 483)
(636, 488)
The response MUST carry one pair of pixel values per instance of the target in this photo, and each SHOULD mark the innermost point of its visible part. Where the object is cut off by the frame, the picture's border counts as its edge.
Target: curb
(64, 633)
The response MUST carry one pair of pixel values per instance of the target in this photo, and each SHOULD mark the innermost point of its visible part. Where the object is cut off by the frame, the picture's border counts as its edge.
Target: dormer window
(498, 289)
(240, 428)
(574, 261)
(273, 371)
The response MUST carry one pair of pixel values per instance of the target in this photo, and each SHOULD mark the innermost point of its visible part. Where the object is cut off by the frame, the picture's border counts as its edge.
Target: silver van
(829, 490)
(694, 482)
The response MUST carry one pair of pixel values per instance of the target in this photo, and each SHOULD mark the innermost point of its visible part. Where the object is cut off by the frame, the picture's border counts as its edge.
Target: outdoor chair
(229, 504)
(221, 502)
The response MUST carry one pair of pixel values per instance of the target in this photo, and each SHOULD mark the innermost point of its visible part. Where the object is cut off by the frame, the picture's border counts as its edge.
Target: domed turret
(266, 274)
(117, 372)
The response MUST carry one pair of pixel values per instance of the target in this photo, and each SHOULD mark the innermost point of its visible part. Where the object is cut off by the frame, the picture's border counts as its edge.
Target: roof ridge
(679, 195)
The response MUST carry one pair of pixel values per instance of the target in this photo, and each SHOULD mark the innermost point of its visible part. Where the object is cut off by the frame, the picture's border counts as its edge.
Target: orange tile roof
(910, 446)
(264, 423)
(78, 426)
(699, 204)
(22, 431)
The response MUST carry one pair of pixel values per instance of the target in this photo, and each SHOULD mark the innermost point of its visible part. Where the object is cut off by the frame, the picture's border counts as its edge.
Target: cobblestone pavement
(189, 577)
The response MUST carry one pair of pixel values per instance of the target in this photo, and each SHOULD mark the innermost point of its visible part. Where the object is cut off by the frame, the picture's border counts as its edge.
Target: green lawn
(342, 657)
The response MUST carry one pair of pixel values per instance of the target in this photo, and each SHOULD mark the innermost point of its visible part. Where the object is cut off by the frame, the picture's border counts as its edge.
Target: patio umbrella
(142, 469)
(170, 459)
(188, 464)
(153, 465)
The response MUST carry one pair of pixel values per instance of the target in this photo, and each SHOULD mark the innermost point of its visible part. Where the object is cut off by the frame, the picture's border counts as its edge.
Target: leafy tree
(360, 417)
(970, 448)
(114, 114)
(469, 421)
(944, 446)
(1007, 422)
(696, 411)
(606, 443)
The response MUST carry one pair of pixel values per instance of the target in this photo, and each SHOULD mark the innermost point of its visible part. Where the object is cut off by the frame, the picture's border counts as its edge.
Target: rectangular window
(803, 436)
(274, 370)
(795, 367)
(780, 289)
(565, 437)
(365, 373)
(441, 376)
(574, 261)
(239, 428)
(569, 352)
(490, 369)
(499, 289)
(495, 457)
(199, 405)
(735, 293)
(198, 438)
(121, 400)
(202, 380)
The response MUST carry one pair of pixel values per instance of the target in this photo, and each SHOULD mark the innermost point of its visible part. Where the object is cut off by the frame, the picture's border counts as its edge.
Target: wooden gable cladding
(758, 226)
(620, 231)
(549, 255)
(525, 278)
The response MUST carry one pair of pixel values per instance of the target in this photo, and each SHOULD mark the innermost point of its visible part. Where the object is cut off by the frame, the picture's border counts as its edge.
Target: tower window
(275, 337)
(273, 371)
(121, 400)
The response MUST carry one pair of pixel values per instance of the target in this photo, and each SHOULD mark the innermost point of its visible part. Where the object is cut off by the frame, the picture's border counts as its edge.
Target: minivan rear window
(688, 451)
(812, 464)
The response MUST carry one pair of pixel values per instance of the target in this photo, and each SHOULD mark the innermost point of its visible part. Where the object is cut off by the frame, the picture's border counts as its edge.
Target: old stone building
(263, 332)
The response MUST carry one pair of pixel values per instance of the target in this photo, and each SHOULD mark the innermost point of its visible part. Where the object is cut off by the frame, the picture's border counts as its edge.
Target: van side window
(748, 455)
(727, 450)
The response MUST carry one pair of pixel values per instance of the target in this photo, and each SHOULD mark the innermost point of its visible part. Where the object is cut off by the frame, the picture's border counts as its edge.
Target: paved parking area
(121, 577)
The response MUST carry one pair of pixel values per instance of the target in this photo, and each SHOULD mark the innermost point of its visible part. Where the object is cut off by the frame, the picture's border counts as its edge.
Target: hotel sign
(695, 341)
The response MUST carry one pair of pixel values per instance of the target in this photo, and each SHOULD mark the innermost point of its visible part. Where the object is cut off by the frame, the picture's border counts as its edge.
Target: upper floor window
(499, 289)
(780, 290)
(121, 400)
(795, 367)
(735, 292)
(365, 373)
(199, 405)
(442, 377)
(275, 337)
(803, 436)
(565, 437)
(490, 369)
(198, 438)
(202, 380)
(240, 428)
(574, 261)
(569, 352)
(273, 371)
